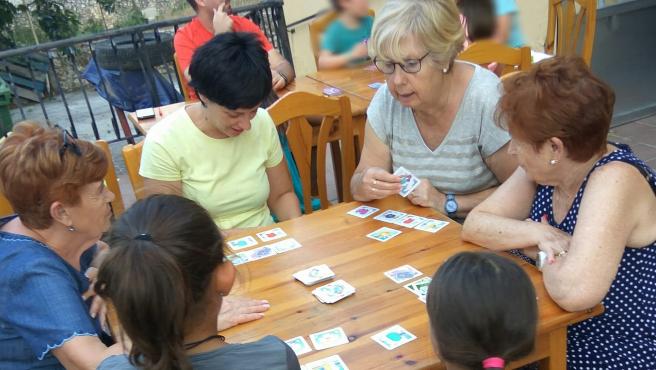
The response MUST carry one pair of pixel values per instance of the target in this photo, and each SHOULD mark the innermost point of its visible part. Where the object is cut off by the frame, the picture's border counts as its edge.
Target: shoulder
(262, 123)
(170, 128)
(120, 362)
(621, 177)
(266, 353)
(334, 27)
(484, 86)
(23, 257)
(186, 32)
(243, 24)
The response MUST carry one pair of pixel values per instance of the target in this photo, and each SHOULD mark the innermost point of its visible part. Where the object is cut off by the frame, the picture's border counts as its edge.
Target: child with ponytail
(483, 312)
(165, 277)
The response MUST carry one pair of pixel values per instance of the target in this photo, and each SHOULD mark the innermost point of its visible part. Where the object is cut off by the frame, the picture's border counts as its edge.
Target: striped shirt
(457, 165)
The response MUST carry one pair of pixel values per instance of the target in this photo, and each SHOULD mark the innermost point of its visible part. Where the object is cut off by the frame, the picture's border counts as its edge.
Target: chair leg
(336, 153)
(127, 131)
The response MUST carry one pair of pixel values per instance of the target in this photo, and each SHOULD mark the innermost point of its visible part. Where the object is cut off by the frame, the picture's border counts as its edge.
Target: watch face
(451, 206)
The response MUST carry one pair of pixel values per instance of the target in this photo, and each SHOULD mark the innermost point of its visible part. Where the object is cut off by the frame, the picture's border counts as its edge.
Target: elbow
(567, 297)
(575, 303)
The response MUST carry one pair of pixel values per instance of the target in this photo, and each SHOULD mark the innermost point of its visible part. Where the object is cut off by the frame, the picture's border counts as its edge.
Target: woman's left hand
(238, 310)
(98, 307)
(277, 81)
(425, 195)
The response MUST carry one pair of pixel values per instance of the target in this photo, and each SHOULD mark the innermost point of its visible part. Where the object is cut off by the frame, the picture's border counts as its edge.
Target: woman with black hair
(165, 277)
(224, 152)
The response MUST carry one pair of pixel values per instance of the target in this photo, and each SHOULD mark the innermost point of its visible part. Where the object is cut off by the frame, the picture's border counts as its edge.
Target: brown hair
(559, 97)
(481, 305)
(164, 250)
(37, 170)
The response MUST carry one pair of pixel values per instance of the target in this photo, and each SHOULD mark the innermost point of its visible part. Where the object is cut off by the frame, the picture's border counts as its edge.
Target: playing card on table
(383, 234)
(285, 245)
(390, 216)
(299, 345)
(408, 181)
(329, 338)
(237, 259)
(314, 275)
(258, 253)
(393, 337)
(245, 242)
(329, 363)
(333, 292)
(272, 234)
(432, 226)
(410, 221)
(419, 287)
(403, 273)
(363, 211)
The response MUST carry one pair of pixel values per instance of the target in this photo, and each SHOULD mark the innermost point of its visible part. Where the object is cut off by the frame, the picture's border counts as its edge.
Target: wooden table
(352, 81)
(337, 239)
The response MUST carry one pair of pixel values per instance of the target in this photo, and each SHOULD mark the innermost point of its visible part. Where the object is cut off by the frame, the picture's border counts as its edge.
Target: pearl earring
(553, 162)
(445, 70)
(71, 228)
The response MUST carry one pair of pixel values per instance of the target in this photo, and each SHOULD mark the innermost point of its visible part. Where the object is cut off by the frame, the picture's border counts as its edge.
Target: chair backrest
(564, 27)
(294, 108)
(5, 207)
(318, 27)
(132, 157)
(184, 87)
(111, 181)
(488, 51)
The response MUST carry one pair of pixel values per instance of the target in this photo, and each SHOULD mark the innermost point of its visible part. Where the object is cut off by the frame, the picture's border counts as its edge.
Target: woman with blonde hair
(435, 115)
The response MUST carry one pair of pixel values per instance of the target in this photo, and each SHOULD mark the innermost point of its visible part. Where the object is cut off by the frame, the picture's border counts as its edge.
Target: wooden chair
(294, 108)
(564, 27)
(132, 157)
(111, 181)
(5, 208)
(318, 27)
(183, 80)
(488, 51)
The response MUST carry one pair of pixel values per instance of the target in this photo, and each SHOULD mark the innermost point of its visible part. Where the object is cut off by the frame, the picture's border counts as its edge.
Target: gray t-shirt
(457, 165)
(268, 353)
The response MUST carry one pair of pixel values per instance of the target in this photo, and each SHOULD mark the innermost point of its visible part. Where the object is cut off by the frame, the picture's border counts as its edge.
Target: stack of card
(393, 337)
(409, 182)
(403, 273)
(333, 292)
(314, 275)
(419, 287)
(329, 363)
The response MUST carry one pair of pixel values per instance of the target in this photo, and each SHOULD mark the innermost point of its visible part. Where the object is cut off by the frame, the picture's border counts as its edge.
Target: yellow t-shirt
(226, 176)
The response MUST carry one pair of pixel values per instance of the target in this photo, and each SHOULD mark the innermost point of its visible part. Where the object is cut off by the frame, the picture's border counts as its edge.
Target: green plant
(7, 13)
(133, 17)
(53, 18)
(92, 26)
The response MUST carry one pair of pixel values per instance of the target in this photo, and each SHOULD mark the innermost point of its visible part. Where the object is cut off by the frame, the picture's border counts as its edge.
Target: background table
(353, 81)
(338, 239)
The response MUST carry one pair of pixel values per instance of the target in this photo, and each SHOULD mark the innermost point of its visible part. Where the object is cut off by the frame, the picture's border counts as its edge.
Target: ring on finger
(561, 253)
(375, 182)
(373, 189)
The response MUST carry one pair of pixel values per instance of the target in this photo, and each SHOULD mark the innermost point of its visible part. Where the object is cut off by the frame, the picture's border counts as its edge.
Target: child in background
(166, 276)
(482, 310)
(478, 19)
(345, 41)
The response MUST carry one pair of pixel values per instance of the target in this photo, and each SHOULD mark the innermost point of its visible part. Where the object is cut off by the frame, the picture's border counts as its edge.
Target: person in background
(478, 20)
(587, 204)
(508, 28)
(166, 248)
(214, 17)
(434, 116)
(223, 151)
(482, 310)
(344, 43)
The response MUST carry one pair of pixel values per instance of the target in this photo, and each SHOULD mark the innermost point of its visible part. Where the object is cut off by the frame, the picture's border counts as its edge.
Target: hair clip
(144, 236)
(494, 363)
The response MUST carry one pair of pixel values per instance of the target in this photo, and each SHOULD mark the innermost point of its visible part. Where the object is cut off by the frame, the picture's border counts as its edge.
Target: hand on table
(551, 240)
(237, 310)
(222, 22)
(378, 183)
(425, 195)
(277, 81)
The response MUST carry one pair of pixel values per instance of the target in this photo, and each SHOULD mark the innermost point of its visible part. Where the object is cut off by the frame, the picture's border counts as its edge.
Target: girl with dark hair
(482, 310)
(165, 277)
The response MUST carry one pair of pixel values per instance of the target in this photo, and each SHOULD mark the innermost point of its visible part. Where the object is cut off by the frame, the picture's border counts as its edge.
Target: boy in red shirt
(214, 17)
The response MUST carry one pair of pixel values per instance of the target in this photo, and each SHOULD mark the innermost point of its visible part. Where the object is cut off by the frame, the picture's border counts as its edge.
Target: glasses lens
(383, 66)
(411, 66)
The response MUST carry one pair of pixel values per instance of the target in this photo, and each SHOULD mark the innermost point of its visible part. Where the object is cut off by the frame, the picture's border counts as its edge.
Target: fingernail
(93, 315)
(264, 301)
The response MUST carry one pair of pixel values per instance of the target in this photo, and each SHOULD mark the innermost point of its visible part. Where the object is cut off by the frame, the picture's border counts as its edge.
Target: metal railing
(135, 61)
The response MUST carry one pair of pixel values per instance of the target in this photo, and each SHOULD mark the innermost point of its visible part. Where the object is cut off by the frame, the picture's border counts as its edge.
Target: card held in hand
(408, 181)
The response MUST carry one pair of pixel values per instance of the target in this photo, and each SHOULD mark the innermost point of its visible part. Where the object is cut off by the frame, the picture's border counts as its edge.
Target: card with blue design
(393, 337)
(383, 234)
(390, 216)
(329, 363)
(258, 253)
(403, 273)
(409, 182)
(241, 243)
(299, 345)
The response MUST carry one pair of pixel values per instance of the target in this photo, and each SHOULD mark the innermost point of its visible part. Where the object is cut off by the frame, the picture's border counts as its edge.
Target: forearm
(285, 206)
(285, 69)
(500, 233)
(467, 202)
(333, 61)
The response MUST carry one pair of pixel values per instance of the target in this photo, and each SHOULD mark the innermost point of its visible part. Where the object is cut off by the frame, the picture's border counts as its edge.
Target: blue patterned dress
(624, 337)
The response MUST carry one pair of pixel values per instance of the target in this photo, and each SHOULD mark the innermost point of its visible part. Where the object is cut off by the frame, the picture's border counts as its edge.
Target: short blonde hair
(434, 23)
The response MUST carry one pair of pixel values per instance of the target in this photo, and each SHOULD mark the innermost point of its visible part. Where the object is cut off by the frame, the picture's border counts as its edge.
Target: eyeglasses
(68, 142)
(408, 66)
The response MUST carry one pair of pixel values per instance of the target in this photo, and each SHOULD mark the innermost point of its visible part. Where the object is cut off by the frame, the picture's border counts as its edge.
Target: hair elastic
(144, 236)
(494, 363)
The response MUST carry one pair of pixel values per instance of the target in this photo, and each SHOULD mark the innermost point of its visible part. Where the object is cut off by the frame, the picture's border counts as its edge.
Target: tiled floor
(641, 136)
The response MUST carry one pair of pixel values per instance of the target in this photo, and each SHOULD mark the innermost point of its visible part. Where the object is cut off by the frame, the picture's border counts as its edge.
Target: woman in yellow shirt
(223, 152)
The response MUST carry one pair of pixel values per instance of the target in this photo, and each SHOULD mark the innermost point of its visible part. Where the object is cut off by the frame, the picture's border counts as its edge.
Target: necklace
(191, 345)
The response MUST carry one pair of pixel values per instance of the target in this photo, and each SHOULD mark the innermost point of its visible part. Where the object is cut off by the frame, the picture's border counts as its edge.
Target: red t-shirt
(193, 35)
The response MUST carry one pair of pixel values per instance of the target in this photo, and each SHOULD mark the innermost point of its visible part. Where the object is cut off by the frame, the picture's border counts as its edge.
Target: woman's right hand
(554, 242)
(378, 183)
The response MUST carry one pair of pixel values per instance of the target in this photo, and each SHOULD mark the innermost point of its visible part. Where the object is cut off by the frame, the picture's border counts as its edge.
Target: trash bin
(5, 116)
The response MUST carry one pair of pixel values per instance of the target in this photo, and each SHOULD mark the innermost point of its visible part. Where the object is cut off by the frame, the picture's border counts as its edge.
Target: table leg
(557, 359)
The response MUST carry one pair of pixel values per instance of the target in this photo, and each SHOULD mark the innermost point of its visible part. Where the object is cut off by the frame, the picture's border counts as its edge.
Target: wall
(533, 19)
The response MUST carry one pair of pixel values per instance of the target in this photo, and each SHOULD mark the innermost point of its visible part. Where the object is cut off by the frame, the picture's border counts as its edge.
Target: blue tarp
(131, 90)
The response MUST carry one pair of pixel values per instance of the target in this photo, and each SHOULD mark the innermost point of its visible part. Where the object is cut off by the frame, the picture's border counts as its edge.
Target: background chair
(488, 51)
(181, 77)
(293, 109)
(111, 181)
(5, 208)
(132, 157)
(318, 27)
(564, 27)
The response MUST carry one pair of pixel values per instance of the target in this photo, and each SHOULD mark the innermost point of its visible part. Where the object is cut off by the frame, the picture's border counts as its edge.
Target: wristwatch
(450, 206)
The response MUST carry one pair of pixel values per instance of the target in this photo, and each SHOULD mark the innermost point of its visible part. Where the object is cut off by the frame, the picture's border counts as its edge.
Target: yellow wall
(533, 20)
